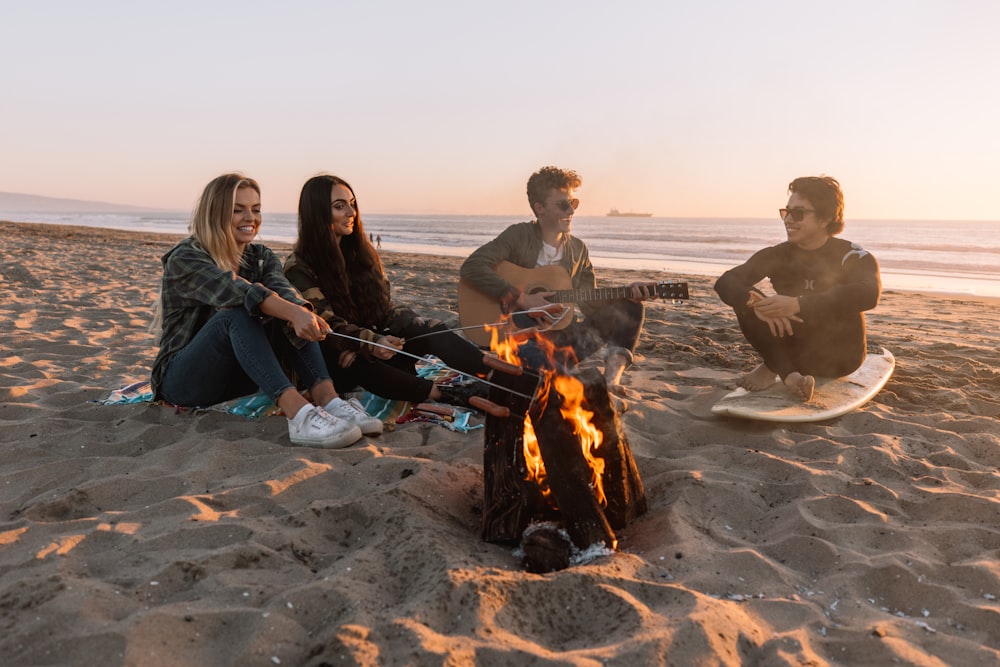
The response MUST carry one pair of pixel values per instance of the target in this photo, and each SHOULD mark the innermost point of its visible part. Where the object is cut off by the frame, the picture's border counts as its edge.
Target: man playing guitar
(547, 241)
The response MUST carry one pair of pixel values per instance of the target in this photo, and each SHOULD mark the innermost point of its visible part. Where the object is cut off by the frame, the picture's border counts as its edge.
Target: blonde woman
(230, 320)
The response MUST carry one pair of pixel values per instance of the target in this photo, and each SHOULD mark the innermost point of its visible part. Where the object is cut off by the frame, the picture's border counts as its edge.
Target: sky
(701, 108)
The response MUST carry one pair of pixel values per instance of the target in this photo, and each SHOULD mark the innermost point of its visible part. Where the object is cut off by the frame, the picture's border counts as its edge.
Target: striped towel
(383, 409)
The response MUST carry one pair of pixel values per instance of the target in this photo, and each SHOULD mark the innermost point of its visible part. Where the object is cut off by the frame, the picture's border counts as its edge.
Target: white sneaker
(352, 412)
(313, 427)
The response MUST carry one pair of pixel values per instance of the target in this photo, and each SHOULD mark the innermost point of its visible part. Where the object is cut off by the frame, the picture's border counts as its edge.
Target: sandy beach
(133, 535)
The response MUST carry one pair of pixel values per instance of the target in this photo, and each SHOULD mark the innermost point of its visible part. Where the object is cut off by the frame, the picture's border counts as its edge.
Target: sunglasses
(567, 205)
(798, 214)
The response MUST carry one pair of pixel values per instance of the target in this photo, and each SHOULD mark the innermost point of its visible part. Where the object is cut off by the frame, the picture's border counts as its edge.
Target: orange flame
(504, 347)
(533, 459)
(588, 435)
(572, 410)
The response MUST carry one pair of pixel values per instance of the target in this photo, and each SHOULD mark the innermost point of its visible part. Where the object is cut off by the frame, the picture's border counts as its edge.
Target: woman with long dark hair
(338, 270)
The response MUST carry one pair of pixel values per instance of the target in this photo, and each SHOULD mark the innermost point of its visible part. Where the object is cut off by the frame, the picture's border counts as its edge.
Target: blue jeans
(233, 355)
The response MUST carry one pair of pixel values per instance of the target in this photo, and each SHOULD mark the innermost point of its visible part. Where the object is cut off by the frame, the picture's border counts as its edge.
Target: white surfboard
(832, 397)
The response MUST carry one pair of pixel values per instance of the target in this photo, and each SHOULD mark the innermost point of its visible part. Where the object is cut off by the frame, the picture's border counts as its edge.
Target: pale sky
(704, 108)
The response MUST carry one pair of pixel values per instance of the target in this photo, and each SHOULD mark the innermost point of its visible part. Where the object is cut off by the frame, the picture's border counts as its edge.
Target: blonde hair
(211, 222)
(211, 227)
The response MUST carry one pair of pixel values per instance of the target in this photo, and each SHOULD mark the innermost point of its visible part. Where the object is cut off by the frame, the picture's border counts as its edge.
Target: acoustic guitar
(477, 308)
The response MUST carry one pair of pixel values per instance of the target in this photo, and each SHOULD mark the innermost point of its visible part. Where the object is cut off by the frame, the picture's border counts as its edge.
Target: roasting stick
(471, 326)
(496, 325)
(490, 361)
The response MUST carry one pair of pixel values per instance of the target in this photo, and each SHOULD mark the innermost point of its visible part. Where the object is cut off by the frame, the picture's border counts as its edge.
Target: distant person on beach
(230, 320)
(378, 241)
(547, 241)
(814, 325)
(336, 268)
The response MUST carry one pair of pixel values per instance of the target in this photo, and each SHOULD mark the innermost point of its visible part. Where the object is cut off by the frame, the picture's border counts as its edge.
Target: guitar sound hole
(523, 321)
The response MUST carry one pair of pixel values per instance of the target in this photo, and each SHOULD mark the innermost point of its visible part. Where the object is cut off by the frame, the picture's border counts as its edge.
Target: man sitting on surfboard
(815, 324)
(547, 241)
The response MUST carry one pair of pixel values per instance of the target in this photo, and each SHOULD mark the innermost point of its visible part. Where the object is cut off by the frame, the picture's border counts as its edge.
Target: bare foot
(758, 379)
(801, 385)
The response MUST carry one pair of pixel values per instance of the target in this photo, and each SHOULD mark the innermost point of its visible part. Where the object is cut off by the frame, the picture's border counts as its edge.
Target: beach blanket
(386, 410)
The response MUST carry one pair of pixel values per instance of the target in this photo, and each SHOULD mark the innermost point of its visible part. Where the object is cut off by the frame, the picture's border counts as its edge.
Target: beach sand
(132, 535)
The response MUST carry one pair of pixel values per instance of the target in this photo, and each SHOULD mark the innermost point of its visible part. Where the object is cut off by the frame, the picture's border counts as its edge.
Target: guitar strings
(529, 312)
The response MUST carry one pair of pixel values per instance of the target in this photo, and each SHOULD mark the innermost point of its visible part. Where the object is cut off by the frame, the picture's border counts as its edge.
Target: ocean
(948, 256)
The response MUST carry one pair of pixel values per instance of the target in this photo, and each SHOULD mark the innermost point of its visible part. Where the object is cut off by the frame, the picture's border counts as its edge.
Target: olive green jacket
(520, 244)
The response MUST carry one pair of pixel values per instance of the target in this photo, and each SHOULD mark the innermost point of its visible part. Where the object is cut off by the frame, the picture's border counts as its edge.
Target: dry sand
(132, 535)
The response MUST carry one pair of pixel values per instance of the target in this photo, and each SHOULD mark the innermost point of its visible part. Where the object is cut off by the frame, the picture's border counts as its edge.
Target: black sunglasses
(567, 205)
(798, 214)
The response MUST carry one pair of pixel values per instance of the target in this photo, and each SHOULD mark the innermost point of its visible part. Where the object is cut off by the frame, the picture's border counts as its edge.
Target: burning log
(568, 475)
(591, 505)
(510, 500)
(626, 497)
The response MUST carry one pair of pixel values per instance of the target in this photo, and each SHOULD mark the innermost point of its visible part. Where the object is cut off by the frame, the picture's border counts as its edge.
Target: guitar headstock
(673, 290)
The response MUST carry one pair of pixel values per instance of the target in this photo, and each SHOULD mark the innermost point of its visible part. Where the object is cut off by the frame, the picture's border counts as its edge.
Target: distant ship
(615, 213)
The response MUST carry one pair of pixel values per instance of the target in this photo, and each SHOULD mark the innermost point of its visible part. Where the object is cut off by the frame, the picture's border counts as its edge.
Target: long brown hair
(350, 272)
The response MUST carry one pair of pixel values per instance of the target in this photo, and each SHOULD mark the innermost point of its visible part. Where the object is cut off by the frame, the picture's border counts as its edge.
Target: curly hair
(350, 272)
(824, 193)
(550, 178)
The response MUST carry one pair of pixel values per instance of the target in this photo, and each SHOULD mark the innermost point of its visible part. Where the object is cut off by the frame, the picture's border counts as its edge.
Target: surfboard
(832, 397)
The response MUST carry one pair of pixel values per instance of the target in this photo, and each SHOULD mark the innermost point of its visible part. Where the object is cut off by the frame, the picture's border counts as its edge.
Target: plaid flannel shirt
(194, 288)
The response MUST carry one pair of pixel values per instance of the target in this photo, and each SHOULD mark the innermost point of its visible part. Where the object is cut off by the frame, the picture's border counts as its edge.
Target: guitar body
(476, 308)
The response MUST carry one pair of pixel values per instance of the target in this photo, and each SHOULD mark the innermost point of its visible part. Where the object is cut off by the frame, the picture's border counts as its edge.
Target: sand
(132, 535)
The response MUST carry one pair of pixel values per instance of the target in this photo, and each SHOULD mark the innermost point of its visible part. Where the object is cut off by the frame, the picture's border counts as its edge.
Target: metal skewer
(495, 325)
(471, 326)
(435, 365)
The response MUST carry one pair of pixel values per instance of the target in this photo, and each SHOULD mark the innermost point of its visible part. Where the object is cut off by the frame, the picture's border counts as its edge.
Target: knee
(238, 316)
(629, 309)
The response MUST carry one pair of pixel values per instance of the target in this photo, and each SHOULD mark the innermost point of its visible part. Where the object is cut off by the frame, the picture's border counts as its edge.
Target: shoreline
(132, 534)
(915, 283)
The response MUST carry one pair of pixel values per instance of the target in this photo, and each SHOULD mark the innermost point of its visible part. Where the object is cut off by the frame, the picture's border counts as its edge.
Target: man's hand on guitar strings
(533, 300)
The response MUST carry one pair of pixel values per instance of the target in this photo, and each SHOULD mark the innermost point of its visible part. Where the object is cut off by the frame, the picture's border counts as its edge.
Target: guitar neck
(585, 295)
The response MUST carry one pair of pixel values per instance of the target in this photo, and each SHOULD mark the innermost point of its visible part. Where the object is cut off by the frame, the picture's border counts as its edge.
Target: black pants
(396, 378)
(831, 346)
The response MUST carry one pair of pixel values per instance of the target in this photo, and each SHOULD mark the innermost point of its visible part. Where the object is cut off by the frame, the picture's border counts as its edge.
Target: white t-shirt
(550, 254)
